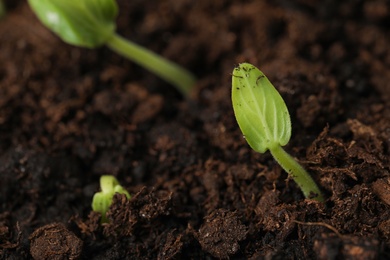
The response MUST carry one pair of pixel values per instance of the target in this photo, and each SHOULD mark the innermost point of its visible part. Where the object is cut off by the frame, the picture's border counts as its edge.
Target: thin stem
(182, 79)
(2, 9)
(298, 173)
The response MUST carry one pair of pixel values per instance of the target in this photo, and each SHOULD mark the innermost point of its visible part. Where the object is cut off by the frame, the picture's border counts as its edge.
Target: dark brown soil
(69, 115)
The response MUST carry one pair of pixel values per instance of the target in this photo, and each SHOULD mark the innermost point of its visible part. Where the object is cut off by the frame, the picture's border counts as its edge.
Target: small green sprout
(102, 201)
(3, 11)
(264, 120)
(91, 23)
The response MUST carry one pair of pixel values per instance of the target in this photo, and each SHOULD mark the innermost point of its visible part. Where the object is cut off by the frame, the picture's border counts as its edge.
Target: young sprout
(91, 23)
(2, 9)
(265, 122)
(102, 201)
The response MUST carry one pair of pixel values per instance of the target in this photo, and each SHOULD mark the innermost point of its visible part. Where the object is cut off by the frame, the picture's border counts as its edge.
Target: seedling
(102, 201)
(91, 23)
(2, 9)
(265, 122)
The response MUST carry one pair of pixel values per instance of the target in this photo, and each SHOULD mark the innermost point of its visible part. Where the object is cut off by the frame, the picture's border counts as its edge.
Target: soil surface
(69, 115)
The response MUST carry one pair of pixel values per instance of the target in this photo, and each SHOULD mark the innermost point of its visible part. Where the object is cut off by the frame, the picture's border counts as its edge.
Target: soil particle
(90, 225)
(148, 109)
(276, 217)
(9, 236)
(384, 228)
(55, 241)
(172, 247)
(329, 246)
(381, 188)
(221, 233)
(144, 209)
(361, 205)
(309, 111)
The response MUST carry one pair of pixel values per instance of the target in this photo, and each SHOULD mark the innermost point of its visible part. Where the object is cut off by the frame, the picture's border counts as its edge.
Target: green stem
(2, 9)
(182, 79)
(298, 173)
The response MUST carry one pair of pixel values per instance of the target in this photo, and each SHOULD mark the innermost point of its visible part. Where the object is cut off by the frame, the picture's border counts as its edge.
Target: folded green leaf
(91, 23)
(86, 23)
(259, 109)
(102, 201)
(2, 9)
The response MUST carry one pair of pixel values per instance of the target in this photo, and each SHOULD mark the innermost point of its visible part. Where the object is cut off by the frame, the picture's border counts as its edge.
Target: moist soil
(69, 115)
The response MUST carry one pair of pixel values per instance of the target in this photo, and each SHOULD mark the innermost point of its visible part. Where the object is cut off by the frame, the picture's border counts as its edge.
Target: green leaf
(86, 23)
(260, 111)
(2, 9)
(102, 201)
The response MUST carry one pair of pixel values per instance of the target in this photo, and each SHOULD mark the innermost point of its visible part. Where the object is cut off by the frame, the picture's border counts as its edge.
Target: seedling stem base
(299, 174)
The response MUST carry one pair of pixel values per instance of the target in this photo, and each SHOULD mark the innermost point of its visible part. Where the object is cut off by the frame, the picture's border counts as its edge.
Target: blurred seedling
(263, 118)
(102, 200)
(2, 9)
(91, 24)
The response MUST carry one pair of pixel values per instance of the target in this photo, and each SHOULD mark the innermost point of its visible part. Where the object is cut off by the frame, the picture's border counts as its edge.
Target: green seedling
(91, 24)
(102, 200)
(2, 9)
(264, 120)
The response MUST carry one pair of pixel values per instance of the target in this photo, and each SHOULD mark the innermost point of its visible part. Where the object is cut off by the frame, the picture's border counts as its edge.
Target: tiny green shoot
(91, 23)
(102, 200)
(2, 9)
(264, 120)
